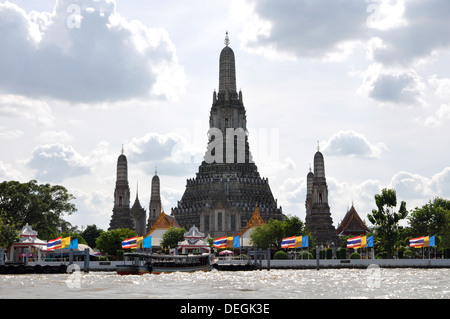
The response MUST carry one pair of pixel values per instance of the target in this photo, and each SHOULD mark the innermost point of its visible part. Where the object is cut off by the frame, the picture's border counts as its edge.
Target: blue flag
(148, 242)
(370, 241)
(74, 244)
(305, 242)
(432, 241)
(237, 242)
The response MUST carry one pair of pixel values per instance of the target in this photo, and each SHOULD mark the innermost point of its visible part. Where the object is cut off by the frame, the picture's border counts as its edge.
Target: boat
(148, 263)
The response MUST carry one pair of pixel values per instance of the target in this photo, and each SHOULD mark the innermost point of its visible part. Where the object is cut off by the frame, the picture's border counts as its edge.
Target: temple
(318, 217)
(352, 224)
(222, 195)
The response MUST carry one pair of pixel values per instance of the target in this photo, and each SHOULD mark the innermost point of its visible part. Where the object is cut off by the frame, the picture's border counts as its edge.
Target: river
(274, 284)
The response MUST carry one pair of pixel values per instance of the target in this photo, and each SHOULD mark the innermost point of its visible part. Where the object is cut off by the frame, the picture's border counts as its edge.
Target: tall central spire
(227, 69)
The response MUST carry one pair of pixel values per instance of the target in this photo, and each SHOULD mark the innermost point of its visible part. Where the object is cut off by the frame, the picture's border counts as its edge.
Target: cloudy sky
(369, 81)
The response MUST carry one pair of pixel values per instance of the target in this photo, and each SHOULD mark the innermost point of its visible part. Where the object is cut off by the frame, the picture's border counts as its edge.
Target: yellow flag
(230, 241)
(65, 242)
(426, 241)
(140, 242)
(298, 241)
(363, 241)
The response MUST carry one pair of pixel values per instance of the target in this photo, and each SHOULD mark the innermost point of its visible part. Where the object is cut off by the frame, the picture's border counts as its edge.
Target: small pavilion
(352, 224)
(194, 240)
(28, 242)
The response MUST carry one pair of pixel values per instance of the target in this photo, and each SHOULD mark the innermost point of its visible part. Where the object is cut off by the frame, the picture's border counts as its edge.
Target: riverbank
(346, 263)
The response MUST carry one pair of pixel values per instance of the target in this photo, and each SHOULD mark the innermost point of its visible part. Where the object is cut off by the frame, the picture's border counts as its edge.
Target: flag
(370, 241)
(426, 241)
(305, 241)
(288, 242)
(148, 242)
(417, 242)
(236, 242)
(65, 242)
(220, 242)
(230, 242)
(363, 241)
(54, 244)
(354, 242)
(140, 242)
(432, 242)
(298, 241)
(129, 243)
(74, 244)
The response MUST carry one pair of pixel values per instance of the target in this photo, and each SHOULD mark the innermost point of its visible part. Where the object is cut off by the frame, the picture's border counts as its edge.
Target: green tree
(272, 233)
(90, 234)
(386, 220)
(430, 219)
(171, 237)
(9, 233)
(40, 205)
(110, 241)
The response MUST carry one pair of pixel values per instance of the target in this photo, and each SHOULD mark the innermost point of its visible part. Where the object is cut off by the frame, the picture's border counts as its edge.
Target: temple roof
(163, 222)
(352, 224)
(254, 221)
(194, 233)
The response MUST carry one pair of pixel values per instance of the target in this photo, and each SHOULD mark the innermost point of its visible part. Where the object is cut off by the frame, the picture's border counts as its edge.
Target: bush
(355, 256)
(408, 253)
(305, 255)
(280, 255)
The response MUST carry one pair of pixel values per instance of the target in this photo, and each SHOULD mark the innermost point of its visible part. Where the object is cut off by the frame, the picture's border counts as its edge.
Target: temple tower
(138, 215)
(121, 217)
(318, 217)
(227, 188)
(155, 201)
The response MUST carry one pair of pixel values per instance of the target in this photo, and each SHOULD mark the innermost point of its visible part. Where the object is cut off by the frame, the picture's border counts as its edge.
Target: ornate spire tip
(227, 40)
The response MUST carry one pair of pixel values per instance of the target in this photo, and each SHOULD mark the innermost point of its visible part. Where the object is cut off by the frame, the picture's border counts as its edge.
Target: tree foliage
(42, 206)
(110, 241)
(272, 233)
(386, 220)
(9, 233)
(90, 234)
(171, 237)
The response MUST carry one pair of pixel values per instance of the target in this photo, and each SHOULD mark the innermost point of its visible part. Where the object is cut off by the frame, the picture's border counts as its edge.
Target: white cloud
(350, 143)
(57, 162)
(37, 112)
(99, 57)
(311, 29)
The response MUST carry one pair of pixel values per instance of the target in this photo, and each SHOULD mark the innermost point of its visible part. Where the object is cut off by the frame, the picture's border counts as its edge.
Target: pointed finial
(227, 40)
(122, 149)
(156, 170)
(318, 146)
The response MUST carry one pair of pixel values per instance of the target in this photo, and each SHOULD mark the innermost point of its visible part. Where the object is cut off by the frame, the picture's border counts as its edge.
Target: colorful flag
(363, 241)
(65, 242)
(426, 241)
(220, 242)
(129, 243)
(230, 242)
(432, 242)
(236, 242)
(140, 242)
(417, 242)
(54, 244)
(288, 242)
(305, 241)
(354, 242)
(370, 241)
(74, 244)
(298, 241)
(148, 242)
